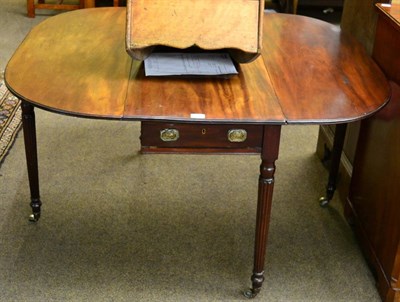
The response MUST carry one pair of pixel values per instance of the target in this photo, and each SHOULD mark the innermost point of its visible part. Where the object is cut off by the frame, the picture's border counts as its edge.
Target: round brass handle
(169, 135)
(237, 135)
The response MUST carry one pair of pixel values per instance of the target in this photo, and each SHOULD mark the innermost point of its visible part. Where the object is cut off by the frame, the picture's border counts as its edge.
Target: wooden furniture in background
(31, 6)
(358, 19)
(92, 3)
(324, 77)
(373, 206)
(290, 6)
(60, 5)
(333, 3)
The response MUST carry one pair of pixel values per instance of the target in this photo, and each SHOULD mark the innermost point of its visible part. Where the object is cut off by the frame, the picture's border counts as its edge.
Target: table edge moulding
(308, 73)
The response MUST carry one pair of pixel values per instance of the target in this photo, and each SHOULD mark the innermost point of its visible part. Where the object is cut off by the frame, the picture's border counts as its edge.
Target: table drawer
(159, 137)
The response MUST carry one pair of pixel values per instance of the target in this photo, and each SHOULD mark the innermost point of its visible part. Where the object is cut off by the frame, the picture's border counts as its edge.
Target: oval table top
(309, 72)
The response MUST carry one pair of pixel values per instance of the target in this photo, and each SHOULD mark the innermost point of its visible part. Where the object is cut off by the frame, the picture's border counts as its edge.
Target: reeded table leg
(338, 141)
(28, 124)
(269, 154)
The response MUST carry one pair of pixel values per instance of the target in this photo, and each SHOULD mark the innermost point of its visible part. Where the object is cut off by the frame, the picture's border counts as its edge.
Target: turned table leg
(269, 154)
(338, 142)
(28, 124)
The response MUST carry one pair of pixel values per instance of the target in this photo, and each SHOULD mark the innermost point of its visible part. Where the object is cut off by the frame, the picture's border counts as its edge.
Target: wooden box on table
(235, 26)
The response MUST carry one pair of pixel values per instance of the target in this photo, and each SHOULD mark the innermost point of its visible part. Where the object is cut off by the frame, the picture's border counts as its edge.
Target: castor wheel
(250, 293)
(34, 217)
(324, 201)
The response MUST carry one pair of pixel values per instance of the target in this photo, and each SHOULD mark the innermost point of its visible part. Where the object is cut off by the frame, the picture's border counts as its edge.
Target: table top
(392, 11)
(309, 72)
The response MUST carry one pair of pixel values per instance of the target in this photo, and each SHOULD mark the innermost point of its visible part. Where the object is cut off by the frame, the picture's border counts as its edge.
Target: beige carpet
(120, 226)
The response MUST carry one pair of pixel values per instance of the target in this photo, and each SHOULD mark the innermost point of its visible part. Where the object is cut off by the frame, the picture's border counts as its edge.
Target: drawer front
(201, 136)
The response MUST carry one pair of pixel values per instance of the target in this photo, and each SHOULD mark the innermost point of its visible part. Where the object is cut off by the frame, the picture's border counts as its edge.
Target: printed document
(205, 64)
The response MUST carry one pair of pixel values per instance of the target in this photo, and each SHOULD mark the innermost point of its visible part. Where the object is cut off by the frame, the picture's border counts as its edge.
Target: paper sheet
(210, 64)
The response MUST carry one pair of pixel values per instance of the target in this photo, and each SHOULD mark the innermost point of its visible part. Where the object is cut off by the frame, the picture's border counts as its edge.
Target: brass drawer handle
(169, 135)
(237, 135)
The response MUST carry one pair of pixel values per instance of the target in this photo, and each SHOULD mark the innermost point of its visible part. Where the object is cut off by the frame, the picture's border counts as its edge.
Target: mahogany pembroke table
(308, 73)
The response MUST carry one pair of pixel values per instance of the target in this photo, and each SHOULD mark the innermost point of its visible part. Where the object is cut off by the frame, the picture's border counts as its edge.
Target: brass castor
(34, 217)
(324, 201)
(250, 293)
